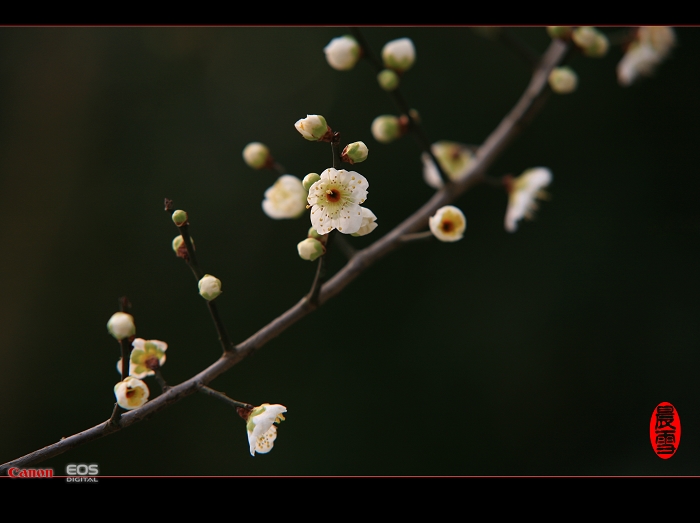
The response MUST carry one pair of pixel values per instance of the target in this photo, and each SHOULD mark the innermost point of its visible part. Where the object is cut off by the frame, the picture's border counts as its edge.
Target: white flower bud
(388, 80)
(386, 128)
(310, 249)
(342, 53)
(399, 55)
(448, 224)
(310, 179)
(180, 218)
(313, 127)
(369, 223)
(256, 155)
(563, 80)
(209, 287)
(355, 152)
(121, 325)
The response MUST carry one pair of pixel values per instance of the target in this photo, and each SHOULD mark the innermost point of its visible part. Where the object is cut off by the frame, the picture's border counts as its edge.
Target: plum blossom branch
(511, 125)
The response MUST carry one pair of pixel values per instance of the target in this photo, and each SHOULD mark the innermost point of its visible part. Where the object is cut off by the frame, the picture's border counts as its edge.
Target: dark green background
(535, 353)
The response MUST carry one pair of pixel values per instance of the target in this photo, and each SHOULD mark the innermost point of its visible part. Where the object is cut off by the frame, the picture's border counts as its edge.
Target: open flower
(448, 224)
(131, 393)
(261, 428)
(335, 201)
(651, 46)
(285, 199)
(455, 160)
(146, 356)
(121, 325)
(369, 222)
(342, 53)
(524, 190)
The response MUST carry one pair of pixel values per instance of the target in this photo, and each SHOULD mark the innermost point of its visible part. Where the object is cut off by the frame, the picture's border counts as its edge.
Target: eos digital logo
(81, 473)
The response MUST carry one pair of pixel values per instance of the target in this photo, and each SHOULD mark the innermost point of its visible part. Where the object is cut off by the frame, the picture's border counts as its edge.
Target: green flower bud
(559, 31)
(313, 233)
(180, 218)
(179, 246)
(310, 249)
(309, 180)
(386, 128)
(563, 80)
(355, 152)
(388, 80)
(592, 42)
(256, 155)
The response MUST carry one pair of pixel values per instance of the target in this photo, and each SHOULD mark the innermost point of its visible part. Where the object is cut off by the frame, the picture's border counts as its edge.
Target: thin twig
(401, 103)
(508, 129)
(223, 397)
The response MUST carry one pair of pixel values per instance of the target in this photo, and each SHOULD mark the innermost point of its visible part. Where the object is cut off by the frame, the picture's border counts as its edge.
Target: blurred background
(543, 352)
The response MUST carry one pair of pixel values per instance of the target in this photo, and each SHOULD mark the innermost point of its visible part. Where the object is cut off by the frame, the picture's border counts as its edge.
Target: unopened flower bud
(388, 80)
(355, 152)
(257, 155)
(399, 55)
(559, 31)
(386, 128)
(121, 325)
(310, 249)
(313, 127)
(563, 80)
(342, 53)
(309, 180)
(209, 287)
(180, 218)
(179, 246)
(592, 42)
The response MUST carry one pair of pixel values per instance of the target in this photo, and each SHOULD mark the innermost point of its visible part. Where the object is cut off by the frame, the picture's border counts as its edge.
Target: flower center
(333, 195)
(152, 363)
(447, 226)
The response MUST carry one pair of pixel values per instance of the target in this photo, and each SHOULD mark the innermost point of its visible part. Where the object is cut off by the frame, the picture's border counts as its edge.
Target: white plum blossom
(524, 191)
(146, 356)
(261, 428)
(335, 201)
(369, 222)
(399, 54)
(121, 325)
(131, 393)
(285, 199)
(342, 53)
(651, 46)
(448, 224)
(455, 159)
